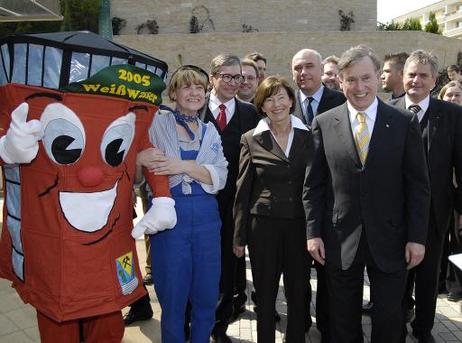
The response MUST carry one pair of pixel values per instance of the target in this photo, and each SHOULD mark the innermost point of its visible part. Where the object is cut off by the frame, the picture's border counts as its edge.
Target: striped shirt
(164, 136)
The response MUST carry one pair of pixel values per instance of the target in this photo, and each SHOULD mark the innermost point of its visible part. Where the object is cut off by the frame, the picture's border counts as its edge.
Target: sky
(388, 9)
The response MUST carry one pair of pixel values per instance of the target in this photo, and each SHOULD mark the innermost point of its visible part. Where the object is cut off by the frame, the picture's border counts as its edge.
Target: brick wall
(199, 49)
(173, 16)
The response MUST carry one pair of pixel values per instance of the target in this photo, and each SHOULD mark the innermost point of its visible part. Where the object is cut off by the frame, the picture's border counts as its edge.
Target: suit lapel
(298, 109)
(343, 128)
(433, 121)
(380, 132)
(298, 144)
(324, 102)
(267, 141)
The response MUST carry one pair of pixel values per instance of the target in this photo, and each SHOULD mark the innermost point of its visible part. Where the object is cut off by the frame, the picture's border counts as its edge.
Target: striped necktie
(414, 108)
(362, 137)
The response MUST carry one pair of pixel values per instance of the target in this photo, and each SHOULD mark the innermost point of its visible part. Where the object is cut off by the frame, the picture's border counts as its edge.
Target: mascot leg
(108, 328)
(52, 331)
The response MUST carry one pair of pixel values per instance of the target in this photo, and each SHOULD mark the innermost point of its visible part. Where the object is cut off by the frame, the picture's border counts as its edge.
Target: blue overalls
(186, 264)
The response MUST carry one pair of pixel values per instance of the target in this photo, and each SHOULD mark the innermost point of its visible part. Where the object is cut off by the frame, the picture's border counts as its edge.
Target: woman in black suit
(268, 209)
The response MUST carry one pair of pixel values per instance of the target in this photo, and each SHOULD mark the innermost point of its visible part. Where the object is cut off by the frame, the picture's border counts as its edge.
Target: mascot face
(97, 162)
(83, 163)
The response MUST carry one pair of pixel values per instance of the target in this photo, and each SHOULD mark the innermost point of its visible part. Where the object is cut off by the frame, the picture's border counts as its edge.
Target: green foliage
(392, 26)
(411, 24)
(78, 15)
(432, 25)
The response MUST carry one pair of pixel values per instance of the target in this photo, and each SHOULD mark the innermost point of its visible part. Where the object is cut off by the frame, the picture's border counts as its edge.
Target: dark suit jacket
(444, 155)
(269, 183)
(389, 197)
(244, 119)
(330, 98)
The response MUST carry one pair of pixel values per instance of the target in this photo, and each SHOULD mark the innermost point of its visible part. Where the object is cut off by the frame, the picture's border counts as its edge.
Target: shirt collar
(263, 125)
(316, 95)
(370, 112)
(214, 102)
(423, 104)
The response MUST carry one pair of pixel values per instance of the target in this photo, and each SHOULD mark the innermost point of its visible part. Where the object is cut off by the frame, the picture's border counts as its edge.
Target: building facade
(448, 15)
(180, 16)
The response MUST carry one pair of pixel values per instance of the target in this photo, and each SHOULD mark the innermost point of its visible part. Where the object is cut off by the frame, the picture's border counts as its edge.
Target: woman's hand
(169, 166)
(148, 157)
(238, 250)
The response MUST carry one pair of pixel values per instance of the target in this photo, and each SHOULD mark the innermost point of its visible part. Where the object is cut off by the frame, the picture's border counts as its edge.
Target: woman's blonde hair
(187, 75)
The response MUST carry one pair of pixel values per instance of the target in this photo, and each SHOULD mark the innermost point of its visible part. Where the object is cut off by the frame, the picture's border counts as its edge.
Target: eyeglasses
(238, 78)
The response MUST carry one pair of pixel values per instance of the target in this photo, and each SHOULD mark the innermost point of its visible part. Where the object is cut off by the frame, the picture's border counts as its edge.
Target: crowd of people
(327, 175)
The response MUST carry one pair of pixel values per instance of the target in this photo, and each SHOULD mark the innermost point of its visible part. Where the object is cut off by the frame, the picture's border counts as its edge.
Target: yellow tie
(362, 138)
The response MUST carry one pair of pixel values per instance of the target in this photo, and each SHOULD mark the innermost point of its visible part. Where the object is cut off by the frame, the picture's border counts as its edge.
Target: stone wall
(174, 16)
(199, 49)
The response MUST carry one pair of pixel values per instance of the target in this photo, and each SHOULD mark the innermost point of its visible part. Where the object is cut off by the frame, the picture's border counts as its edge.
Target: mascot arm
(162, 214)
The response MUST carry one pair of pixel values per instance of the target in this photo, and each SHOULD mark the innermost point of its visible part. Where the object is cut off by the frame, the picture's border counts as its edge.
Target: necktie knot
(222, 107)
(414, 109)
(310, 99)
(361, 117)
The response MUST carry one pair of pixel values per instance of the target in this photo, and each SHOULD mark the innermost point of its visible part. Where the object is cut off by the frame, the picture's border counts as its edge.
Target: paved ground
(18, 322)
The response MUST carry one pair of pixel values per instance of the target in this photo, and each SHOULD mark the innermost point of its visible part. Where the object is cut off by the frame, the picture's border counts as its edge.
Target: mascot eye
(117, 139)
(64, 136)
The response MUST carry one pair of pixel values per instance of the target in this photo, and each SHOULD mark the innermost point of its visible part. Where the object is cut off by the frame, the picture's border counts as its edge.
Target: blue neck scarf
(183, 120)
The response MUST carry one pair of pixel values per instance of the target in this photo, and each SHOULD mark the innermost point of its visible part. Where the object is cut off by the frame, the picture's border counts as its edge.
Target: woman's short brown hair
(187, 75)
(270, 86)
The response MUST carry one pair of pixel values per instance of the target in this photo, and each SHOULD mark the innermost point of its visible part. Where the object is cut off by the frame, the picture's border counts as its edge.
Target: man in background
(260, 60)
(330, 72)
(392, 74)
(249, 85)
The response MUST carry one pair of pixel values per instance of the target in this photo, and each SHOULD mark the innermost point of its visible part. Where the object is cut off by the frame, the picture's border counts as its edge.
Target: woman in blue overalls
(186, 259)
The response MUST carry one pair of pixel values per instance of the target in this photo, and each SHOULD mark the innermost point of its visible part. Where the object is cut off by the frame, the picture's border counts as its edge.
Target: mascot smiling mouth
(88, 212)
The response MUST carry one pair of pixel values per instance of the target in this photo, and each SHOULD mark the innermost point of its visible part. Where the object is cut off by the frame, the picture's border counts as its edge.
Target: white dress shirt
(423, 105)
(314, 104)
(371, 115)
(214, 104)
(263, 125)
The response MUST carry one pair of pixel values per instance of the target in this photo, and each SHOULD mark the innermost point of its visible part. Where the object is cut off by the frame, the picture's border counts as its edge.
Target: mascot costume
(69, 158)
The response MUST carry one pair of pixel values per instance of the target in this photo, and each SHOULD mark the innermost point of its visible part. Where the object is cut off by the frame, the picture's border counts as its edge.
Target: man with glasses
(232, 118)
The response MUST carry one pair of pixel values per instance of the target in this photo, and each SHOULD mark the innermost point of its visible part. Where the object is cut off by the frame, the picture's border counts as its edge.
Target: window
(52, 70)
(80, 64)
(19, 70)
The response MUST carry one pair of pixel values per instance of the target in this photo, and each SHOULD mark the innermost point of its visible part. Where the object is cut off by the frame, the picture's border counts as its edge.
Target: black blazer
(389, 197)
(244, 119)
(330, 98)
(269, 183)
(443, 145)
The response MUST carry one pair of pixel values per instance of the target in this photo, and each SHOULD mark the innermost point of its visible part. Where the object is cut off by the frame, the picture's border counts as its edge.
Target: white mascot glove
(20, 144)
(161, 216)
